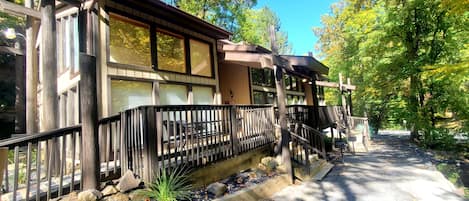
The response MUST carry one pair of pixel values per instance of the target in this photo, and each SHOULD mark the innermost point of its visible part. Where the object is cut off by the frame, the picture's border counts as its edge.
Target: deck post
(283, 149)
(350, 108)
(88, 104)
(89, 118)
(315, 100)
(31, 71)
(20, 107)
(50, 101)
(150, 156)
(234, 131)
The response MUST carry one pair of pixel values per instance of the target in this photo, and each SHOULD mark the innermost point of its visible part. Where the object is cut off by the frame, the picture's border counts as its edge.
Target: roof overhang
(175, 15)
(308, 63)
(260, 57)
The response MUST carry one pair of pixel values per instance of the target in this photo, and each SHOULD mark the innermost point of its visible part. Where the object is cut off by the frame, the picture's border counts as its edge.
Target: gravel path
(392, 170)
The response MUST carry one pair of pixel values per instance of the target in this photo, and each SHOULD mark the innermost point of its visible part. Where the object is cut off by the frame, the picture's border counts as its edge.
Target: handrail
(23, 141)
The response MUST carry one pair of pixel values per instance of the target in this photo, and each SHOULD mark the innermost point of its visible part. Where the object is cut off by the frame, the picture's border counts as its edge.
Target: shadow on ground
(394, 169)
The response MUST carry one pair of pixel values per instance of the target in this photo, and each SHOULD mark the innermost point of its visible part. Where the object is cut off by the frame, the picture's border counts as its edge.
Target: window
(201, 62)
(287, 82)
(262, 97)
(67, 43)
(129, 94)
(202, 95)
(262, 77)
(170, 52)
(173, 94)
(294, 84)
(129, 41)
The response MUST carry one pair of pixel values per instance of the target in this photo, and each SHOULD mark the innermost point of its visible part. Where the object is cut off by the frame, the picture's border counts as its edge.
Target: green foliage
(409, 60)
(439, 139)
(171, 186)
(240, 18)
(453, 173)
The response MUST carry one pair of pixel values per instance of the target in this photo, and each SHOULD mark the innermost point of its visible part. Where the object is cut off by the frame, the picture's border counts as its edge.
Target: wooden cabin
(171, 90)
(150, 53)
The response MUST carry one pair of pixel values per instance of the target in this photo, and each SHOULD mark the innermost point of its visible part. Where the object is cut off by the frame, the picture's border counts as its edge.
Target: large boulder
(73, 196)
(118, 197)
(128, 182)
(109, 190)
(90, 195)
(269, 162)
(218, 189)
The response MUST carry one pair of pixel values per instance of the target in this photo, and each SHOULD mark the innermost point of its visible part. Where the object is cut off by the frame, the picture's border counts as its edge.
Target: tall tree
(239, 17)
(398, 52)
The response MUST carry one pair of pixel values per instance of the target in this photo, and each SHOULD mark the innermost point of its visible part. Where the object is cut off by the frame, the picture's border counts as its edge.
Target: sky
(297, 18)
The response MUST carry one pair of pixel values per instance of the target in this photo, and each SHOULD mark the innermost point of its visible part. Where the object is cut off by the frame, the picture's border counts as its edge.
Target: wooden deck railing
(48, 164)
(359, 126)
(305, 142)
(329, 116)
(43, 165)
(145, 140)
(163, 137)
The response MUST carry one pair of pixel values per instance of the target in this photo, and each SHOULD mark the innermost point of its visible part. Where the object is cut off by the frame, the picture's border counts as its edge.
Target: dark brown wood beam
(31, 71)
(76, 3)
(18, 10)
(284, 144)
(50, 102)
(88, 102)
(11, 50)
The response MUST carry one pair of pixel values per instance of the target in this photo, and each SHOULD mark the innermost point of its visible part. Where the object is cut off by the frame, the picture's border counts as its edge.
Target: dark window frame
(153, 26)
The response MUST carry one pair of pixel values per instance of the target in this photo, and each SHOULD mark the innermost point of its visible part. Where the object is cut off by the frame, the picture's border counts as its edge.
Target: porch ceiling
(260, 57)
(308, 62)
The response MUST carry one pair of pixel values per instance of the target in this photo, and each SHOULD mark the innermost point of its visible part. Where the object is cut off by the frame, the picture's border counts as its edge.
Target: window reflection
(129, 41)
(129, 94)
(170, 52)
(201, 63)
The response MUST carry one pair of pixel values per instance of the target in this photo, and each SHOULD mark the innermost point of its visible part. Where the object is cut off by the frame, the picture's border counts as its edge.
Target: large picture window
(201, 62)
(129, 41)
(173, 94)
(202, 95)
(262, 77)
(170, 52)
(262, 97)
(129, 94)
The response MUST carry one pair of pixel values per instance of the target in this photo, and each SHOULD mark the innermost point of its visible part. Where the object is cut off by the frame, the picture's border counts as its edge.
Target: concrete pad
(391, 170)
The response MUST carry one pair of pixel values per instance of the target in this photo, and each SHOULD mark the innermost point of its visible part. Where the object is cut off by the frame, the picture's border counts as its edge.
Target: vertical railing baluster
(49, 167)
(80, 156)
(62, 164)
(16, 172)
(38, 172)
(28, 169)
(108, 126)
(74, 152)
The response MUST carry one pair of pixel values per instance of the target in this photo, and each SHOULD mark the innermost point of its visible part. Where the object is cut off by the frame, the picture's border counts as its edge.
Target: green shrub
(169, 186)
(439, 139)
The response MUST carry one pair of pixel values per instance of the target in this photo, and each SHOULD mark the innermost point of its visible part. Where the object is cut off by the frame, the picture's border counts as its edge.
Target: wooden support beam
(75, 3)
(50, 104)
(89, 119)
(336, 85)
(31, 71)
(350, 108)
(11, 50)
(20, 99)
(282, 110)
(315, 100)
(18, 10)
(88, 103)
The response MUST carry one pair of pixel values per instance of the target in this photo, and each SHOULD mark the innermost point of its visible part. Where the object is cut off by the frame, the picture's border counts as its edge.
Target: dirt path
(392, 170)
